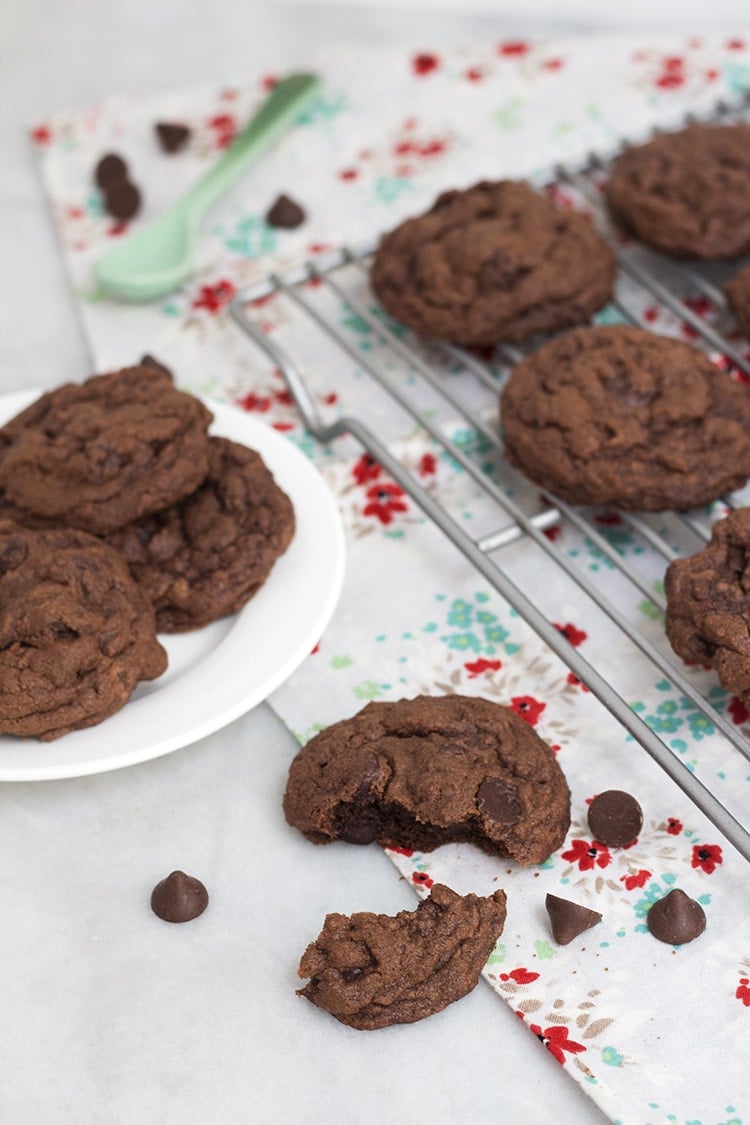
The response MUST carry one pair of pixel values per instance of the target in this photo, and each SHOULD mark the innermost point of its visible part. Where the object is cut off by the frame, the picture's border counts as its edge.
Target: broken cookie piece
(372, 970)
(427, 771)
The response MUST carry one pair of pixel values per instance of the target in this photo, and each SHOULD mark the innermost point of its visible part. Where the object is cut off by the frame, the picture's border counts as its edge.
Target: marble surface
(110, 1015)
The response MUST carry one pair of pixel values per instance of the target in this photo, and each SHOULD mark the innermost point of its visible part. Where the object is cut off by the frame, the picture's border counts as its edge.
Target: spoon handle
(284, 104)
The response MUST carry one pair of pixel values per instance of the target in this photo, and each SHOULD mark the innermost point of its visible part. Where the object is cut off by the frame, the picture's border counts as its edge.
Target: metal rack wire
(335, 272)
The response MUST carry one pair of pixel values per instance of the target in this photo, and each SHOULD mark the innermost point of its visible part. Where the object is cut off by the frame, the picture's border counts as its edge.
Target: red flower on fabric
(254, 402)
(477, 667)
(556, 1041)
(651, 313)
(42, 135)
(738, 711)
(214, 297)
(700, 305)
(743, 991)
(608, 519)
(528, 708)
(473, 74)
(114, 230)
(422, 879)
(553, 532)
(571, 634)
(424, 63)
(674, 826)
(667, 81)
(573, 680)
(402, 851)
(520, 976)
(588, 855)
(553, 64)
(735, 44)
(428, 464)
(706, 856)
(348, 174)
(384, 500)
(331, 398)
(633, 881)
(284, 397)
(225, 129)
(282, 427)
(513, 48)
(366, 468)
(269, 81)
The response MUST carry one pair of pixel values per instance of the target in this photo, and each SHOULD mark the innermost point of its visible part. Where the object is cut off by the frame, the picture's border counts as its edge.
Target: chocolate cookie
(737, 292)
(428, 771)
(616, 415)
(687, 193)
(100, 454)
(708, 604)
(76, 633)
(204, 557)
(495, 262)
(372, 970)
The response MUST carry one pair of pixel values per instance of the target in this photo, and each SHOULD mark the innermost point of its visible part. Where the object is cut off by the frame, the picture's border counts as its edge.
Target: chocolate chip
(496, 799)
(615, 818)
(172, 136)
(110, 169)
(150, 361)
(568, 919)
(676, 918)
(122, 199)
(179, 898)
(285, 213)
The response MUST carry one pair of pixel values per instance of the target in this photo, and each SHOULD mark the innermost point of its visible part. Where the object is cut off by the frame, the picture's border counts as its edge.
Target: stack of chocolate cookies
(120, 516)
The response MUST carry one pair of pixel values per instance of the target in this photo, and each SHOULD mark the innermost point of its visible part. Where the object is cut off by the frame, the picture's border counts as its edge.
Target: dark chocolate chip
(150, 361)
(110, 169)
(568, 919)
(172, 136)
(615, 818)
(676, 918)
(122, 199)
(496, 799)
(285, 213)
(179, 898)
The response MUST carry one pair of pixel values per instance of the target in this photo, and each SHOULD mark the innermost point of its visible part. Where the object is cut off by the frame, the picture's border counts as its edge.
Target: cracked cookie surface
(76, 633)
(687, 193)
(205, 557)
(708, 604)
(495, 262)
(615, 415)
(99, 454)
(374, 970)
(431, 770)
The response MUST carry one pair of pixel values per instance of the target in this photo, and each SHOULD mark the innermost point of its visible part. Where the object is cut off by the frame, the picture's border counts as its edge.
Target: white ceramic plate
(216, 673)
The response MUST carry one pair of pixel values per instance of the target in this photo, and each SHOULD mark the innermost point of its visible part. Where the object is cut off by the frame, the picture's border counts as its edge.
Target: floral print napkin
(653, 1033)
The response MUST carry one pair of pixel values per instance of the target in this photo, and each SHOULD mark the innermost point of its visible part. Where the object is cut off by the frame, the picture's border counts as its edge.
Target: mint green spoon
(160, 257)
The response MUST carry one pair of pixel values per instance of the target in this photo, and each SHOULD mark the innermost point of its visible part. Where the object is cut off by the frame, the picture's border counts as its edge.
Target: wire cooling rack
(402, 365)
